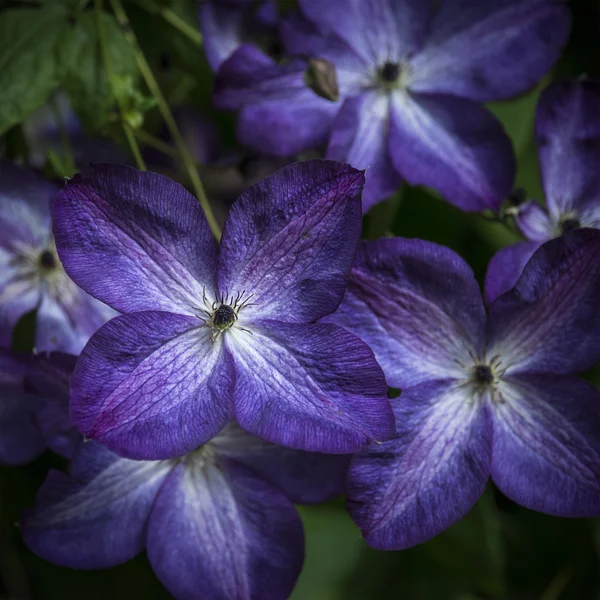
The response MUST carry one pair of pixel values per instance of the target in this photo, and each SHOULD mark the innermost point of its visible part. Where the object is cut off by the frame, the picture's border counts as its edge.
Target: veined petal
(534, 222)
(417, 305)
(219, 532)
(505, 268)
(311, 387)
(359, 138)
(97, 516)
(550, 322)
(152, 385)
(304, 477)
(546, 449)
(567, 133)
(280, 114)
(412, 487)
(453, 145)
(135, 240)
(490, 50)
(290, 241)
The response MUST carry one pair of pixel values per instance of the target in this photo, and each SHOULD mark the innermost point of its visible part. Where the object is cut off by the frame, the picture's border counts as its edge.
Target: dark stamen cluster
(570, 224)
(224, 317)
(390, 72)
(47, 260)
(483, 374)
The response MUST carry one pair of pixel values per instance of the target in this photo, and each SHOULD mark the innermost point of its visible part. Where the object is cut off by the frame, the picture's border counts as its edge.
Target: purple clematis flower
(481, 396)
(412, 75)
(32, 277)
(568, 141)
(217, 523)
(209, 337)
(227, 24)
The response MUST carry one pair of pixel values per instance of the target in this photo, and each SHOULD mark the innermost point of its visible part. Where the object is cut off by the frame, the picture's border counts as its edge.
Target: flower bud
(321, 77)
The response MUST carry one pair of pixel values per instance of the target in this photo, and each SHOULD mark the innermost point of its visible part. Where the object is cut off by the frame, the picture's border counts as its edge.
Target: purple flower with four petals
(207, 336)
(412, 76)
(481, 396)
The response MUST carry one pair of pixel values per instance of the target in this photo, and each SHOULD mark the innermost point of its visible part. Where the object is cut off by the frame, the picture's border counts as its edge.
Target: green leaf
(86, 82)
(30, 69)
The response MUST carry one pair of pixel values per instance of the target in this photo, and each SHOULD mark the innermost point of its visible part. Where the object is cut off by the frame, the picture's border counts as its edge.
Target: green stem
(127, 129)
(167, 115)
(149, 140)
(64, 135)
(173, 19)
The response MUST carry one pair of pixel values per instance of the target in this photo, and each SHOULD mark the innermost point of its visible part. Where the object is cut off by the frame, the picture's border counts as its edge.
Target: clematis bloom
(217, 523)
(412, 76)
(481, 396)
(208, 337)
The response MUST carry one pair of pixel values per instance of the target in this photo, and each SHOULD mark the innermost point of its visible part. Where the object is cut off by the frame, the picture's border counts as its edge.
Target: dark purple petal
(505, 268)
(534, 222)
(376, 29)
(304, 477)
(359, 138)
(412, 487)
(311, 387)
(152, 385)
(96, 517)
(280, 115)
(546, 448)
(20, 439)
(219, 532)
(453, 145)
(490, 50)
(550, 321)
(290, 240)
(568, 140)
(49, 380)
(135, 240)
(418, 307)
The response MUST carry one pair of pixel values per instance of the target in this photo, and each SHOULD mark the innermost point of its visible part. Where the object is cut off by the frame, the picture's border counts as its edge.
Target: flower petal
(290, 240)
(18, 296)
(20, 438)
(219, 532)
(505, 268)
(418, 307)
(96, 517)
(135, 240)
(490, 50)
(412, 487)
(280, 114)
(152, 385)
(453, 145)
(359, 138)
(546, 449)
(550, 322)
(304, 477)
(534, 222)
(311, 387)
(568, 139)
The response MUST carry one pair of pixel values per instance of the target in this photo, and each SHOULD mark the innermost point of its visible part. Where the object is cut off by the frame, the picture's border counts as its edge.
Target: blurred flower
(412, 75)
(209, 337)
(568, 141)
(32, 275)
(217, 523)
(227, 24)
(481, 396)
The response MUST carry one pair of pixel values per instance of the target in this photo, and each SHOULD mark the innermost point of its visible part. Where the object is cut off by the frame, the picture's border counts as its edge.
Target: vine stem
(173, 19)
(127, 129)
(167, 115)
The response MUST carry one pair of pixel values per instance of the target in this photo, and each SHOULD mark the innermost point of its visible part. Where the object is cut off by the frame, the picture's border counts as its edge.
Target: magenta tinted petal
(219, 532)
(304, 477)
(546, 449)
(139, 229)
(454, 146)
(152, 385)
(505, 268)
(534, 222)
(550, 321)
(417, 305)
(490, 50)
(568, 140)
(97, 516)
(359, 138)
(412, 487)
(311, 387)
(290, 240)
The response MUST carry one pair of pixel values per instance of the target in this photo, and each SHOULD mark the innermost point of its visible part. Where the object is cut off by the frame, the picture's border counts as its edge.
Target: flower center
(483, 374)
(570, 224)
(390, 72)
(221, 314)
(47, 260)
(224, 317)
